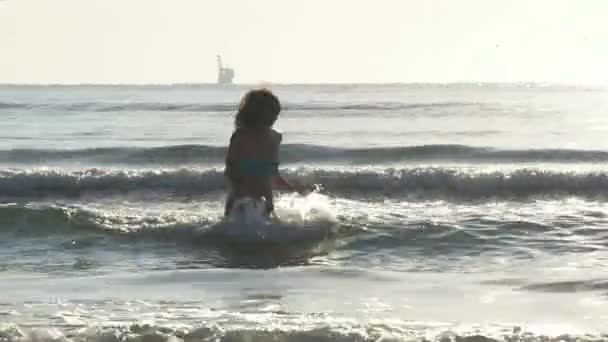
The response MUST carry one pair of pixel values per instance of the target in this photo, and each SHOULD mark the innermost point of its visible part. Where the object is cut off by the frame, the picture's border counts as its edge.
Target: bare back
(252, 146)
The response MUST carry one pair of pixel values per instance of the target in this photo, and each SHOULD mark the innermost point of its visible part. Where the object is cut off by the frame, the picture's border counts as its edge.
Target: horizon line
(271, 84)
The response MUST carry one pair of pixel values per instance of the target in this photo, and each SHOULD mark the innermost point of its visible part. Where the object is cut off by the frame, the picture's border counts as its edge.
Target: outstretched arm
(278, 181)
(281, 183)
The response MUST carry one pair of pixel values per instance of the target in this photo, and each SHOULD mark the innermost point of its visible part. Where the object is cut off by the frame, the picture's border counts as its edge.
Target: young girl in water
(252, 160)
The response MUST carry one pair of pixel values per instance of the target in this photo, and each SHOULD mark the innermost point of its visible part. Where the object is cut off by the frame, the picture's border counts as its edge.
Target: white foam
(296, 219)
(298, 209)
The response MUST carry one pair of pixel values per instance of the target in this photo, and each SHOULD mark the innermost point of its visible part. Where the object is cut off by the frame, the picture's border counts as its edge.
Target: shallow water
(461, 212)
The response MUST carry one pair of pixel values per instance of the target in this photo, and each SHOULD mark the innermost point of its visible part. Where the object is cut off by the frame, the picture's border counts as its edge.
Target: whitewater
(461, 212)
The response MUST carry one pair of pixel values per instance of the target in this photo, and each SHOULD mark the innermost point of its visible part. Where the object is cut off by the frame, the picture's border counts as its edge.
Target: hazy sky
(293, 41)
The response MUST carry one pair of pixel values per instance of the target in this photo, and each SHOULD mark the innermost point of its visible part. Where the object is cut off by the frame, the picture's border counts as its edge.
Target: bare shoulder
(276, 136)
(236, 136)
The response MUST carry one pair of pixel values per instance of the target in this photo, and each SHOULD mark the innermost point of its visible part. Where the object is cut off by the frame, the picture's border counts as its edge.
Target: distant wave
(290, 153)
(220, 107)
(10, 105)
(422, 183)
(170, 155)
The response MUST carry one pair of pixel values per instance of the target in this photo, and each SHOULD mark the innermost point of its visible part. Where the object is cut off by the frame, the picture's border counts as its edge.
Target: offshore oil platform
(225, 75)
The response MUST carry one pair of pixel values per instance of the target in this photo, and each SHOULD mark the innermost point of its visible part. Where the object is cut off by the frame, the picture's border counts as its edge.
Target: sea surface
(462, 212)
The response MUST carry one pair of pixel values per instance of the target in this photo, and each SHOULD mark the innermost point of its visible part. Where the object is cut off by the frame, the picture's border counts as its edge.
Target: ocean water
(461, 213)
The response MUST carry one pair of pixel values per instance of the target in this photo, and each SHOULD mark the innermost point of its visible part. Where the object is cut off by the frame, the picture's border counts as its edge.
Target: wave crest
(282, 329)
(422, 183)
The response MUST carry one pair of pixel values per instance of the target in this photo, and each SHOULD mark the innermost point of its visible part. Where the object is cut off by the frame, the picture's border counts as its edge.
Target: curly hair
(258, 108)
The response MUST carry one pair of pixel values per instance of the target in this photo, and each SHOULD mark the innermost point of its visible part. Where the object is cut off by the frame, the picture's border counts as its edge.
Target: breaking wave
(422, 183)
(278, 329)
